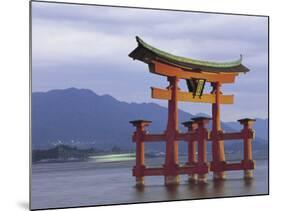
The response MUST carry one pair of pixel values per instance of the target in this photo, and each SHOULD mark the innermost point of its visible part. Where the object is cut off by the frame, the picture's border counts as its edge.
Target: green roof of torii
(145, 52)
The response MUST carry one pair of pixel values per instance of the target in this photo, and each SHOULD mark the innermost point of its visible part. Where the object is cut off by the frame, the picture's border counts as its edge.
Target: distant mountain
(82, 118)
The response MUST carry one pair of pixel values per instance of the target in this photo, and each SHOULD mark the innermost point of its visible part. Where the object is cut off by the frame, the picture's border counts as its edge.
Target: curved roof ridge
(170, 56)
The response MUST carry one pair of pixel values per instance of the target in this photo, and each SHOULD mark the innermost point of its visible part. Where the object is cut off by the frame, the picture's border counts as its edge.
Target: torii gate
(196, 73)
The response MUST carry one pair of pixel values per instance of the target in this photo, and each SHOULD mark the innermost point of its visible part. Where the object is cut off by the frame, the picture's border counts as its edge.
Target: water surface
(72, 184)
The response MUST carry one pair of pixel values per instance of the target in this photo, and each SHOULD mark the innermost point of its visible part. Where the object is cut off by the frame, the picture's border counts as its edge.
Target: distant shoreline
(50, 161)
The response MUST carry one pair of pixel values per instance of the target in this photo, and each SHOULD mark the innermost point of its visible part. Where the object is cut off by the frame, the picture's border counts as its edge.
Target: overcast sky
(87, 47)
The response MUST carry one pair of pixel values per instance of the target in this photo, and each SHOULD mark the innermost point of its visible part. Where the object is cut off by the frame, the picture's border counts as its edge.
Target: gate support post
(248, 134)
(202, 136)
(171, 159)
(192, 159)
(138, 170)
(217, 145)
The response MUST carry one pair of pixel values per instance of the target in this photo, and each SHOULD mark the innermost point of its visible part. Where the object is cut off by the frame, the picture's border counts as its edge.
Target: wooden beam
(238, 166)
(154, 137)
(165, 94)
(170, 71)
(231, 136)
(190, 136)
(233, 166)
(153, 171)
(158, 171)
(187, 169)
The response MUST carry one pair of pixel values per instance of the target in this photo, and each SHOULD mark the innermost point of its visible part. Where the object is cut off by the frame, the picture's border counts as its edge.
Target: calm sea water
(72, 184)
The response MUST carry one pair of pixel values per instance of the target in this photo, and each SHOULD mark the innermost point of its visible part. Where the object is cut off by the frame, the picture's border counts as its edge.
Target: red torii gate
(196, 73)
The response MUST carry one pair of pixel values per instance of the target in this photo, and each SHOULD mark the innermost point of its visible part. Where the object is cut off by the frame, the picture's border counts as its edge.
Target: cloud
(88, 47)
(64, 32)
(60, 42)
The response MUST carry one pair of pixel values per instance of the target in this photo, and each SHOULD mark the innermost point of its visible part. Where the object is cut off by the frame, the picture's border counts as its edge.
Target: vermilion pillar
(217, 145)
(202, 137)
(248, 134)
(171, 159)
(192, 126)
(138, 170)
